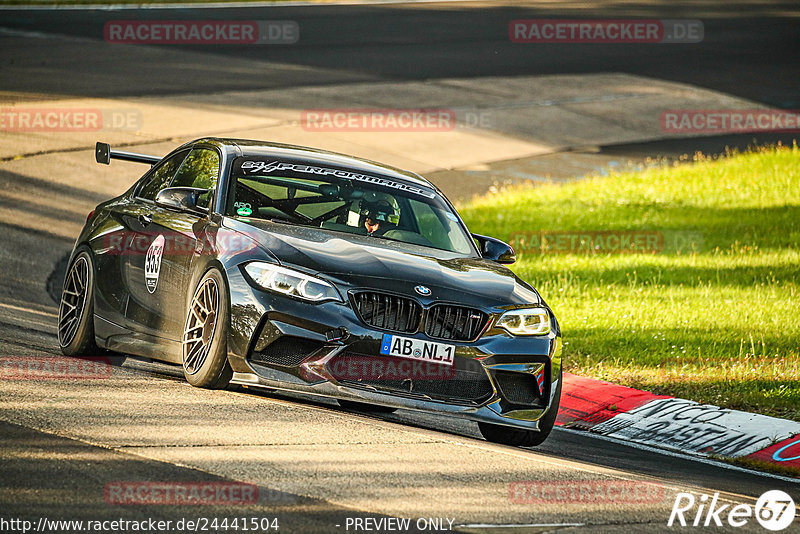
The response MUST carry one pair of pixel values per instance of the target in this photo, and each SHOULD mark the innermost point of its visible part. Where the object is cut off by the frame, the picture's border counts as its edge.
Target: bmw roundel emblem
(422, 290)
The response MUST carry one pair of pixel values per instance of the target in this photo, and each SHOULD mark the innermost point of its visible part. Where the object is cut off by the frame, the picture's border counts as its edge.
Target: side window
(160, 176)
(200, 169)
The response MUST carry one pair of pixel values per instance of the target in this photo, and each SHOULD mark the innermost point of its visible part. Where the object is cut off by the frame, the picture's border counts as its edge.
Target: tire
(518, 437)
(364, 407)
(76, 309)
(205, 334)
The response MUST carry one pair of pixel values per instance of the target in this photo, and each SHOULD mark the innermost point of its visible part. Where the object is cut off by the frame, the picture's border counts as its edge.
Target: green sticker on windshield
(243, 209)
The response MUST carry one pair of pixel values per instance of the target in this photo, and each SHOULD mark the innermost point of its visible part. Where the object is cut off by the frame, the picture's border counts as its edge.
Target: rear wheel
(205, 346)
(518, 437)
(364, 407)
(76, 310)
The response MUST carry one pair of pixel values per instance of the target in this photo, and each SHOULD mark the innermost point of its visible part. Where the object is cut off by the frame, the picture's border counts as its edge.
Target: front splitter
(483, 413)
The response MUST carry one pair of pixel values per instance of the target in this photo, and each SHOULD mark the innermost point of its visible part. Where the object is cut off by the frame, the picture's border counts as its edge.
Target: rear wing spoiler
(103, 154)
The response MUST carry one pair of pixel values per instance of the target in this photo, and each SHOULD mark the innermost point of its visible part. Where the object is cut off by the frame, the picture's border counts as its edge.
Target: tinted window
(344, 201)
(438, 225)
(200, 169)
(160, 176)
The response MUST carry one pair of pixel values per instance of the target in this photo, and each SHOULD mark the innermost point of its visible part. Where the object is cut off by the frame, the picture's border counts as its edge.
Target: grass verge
(709, 312)
(760, 465)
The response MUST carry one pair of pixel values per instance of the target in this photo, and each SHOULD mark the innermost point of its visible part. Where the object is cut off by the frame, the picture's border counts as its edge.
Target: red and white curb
(676, 424)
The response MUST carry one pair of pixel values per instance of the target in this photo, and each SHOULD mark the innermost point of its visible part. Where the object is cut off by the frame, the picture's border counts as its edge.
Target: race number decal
(152, 263)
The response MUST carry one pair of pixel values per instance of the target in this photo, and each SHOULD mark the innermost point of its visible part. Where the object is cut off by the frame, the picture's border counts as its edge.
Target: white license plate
(417, 349)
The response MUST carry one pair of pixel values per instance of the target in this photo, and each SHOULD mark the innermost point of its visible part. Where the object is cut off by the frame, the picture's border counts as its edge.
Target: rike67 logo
(774, 510)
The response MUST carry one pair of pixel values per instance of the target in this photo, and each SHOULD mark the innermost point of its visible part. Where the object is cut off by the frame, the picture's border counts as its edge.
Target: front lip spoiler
(326, 389)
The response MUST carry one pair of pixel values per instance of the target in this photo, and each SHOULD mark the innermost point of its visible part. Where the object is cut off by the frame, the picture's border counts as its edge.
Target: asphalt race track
(317, 466)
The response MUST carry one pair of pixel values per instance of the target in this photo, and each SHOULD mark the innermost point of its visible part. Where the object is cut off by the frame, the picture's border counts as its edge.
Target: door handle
(145, 219)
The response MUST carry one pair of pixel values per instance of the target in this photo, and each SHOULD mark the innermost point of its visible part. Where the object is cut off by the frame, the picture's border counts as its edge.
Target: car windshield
(344, 201)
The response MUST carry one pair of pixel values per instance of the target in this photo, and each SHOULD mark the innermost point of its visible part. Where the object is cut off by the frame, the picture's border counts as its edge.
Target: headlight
(525, 322)
(291, 282)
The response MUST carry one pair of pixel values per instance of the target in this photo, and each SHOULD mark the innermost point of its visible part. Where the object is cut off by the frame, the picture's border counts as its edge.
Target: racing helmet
(380, 208)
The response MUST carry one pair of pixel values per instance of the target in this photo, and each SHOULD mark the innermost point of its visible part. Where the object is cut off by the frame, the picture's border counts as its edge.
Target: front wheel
(205, 334)
(518, 437)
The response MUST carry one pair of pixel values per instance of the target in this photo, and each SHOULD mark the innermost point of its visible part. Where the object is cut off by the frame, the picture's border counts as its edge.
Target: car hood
(369, 262)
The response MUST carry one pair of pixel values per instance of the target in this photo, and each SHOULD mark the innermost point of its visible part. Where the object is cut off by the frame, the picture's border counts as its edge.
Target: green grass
(714, 316)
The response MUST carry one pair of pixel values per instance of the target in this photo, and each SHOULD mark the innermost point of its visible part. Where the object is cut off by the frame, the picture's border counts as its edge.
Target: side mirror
(181, 199)
(102, 153)
(495, 250)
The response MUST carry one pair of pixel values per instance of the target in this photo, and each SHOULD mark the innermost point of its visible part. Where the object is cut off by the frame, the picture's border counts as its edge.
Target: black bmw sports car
(297, 269)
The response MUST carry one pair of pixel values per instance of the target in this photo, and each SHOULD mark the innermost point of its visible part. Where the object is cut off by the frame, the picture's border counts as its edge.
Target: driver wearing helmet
(380, 215)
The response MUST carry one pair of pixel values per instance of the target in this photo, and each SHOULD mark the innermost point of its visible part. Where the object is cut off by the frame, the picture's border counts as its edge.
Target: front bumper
(329, 334)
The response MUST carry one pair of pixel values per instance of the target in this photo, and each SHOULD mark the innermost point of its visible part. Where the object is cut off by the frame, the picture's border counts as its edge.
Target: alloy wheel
(200, 325)
(73, 301)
